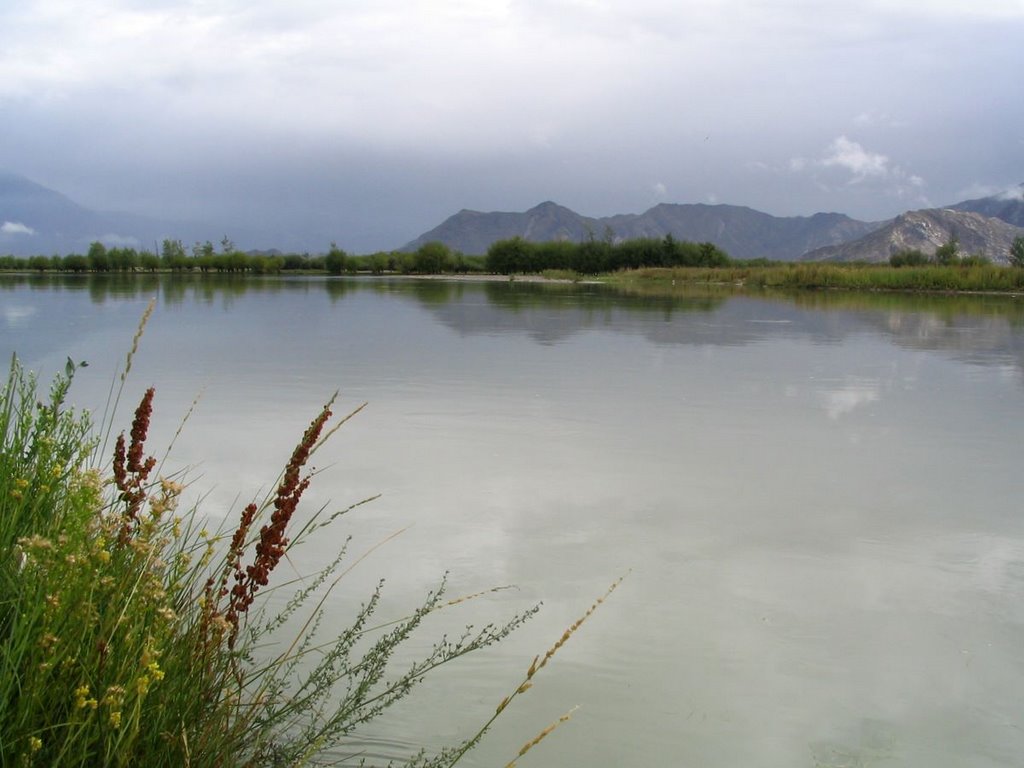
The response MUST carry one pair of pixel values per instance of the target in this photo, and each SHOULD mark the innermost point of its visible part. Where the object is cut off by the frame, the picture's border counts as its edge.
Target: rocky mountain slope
(742, 232)
(1008, 206)
(925, 231)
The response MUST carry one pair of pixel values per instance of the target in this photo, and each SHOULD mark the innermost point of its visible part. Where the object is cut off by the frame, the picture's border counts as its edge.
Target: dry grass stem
(542, 735)
(535, 667)
(135, 339)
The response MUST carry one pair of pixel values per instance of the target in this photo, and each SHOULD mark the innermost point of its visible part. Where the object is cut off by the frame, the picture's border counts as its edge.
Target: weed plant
(934, 278)
(131, 635)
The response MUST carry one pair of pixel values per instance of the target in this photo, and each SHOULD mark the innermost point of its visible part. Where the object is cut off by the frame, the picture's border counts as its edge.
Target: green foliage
(814, 276)
(336, 261)
(97, 256)
(593, 256)
(131, 635)
(149, 261)
(432, 258)
(949, 252)
(173, 256)
(974, 260)
(909, 257)
(1017, 252)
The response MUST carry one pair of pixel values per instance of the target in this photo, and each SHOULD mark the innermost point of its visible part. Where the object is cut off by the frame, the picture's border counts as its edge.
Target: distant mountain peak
(740, 231)
(925, 230)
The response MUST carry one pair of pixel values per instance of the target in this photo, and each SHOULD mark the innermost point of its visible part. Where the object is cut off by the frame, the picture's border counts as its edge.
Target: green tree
(149, 261)
(99, 260)
(200, 250)
(949, 252)
(39, 263)
(336, 260)
(508, 256)
(75, 262)
(123, 259)
(1017, 252)
(173, 255)
(433, 258)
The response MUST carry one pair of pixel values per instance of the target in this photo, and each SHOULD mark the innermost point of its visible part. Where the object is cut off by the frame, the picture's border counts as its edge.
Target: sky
(368, 123)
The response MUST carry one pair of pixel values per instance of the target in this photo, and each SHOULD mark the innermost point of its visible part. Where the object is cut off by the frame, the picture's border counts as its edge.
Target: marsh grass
(132, 635)
(935, 278)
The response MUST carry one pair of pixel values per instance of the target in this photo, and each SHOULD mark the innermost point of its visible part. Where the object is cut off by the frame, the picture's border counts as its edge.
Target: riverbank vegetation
(204, 258)
(851, 277)
(594, 256)
(645, 260)
(131, 634)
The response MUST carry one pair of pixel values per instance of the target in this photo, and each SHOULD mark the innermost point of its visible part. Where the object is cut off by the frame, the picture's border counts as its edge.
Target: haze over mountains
(742, 232)
(38, 220)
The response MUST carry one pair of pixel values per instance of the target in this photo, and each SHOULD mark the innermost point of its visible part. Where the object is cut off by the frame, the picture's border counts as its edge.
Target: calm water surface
(817, 500)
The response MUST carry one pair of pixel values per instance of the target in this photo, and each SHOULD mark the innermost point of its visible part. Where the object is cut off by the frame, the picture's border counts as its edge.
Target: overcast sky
(370, 122)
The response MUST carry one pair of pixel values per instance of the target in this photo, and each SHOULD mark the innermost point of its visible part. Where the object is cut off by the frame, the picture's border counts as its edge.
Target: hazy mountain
(925, 231)
(37, 220)
(1008, 206)
(34, 219)
(742, 232)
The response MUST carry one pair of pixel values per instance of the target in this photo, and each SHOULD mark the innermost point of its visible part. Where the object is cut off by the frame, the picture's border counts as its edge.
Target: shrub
(131, 635)
(909, 257)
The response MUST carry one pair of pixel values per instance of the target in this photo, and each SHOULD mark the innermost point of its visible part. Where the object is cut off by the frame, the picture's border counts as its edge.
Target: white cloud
(610, 95)
(1014, 193)
(848, 164)
(842, 400)
(843, 153)
(18, 316)
(660, 190)
(1002, 192)
(16, 228)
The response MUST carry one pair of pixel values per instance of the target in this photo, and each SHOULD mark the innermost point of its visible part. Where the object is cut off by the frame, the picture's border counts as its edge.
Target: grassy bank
(853, 277)
(130, 634)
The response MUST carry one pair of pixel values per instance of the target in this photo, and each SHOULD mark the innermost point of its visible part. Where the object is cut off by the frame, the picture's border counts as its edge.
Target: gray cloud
(372, 121)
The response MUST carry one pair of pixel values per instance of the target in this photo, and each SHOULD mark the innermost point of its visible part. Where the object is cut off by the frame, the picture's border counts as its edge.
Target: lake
(816, 500)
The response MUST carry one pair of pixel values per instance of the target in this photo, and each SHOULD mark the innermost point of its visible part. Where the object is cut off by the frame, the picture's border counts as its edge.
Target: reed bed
(934, 278)
(132, 635)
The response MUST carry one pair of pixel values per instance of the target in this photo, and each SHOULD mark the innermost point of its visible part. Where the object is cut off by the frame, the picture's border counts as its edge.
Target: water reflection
(818, 495)
(978, 329)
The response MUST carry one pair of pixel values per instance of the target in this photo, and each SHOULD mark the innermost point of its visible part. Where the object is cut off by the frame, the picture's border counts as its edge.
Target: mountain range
(38, 220)
(742, 232)
(987, 226)
(925, 231)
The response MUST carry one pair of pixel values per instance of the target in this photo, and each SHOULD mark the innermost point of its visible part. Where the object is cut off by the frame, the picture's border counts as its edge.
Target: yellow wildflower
(155, 671)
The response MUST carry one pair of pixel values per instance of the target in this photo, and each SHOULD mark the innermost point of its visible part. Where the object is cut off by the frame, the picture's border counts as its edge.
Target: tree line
(508, 257)
(504, 257)
(592, 256)
(173, 256)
